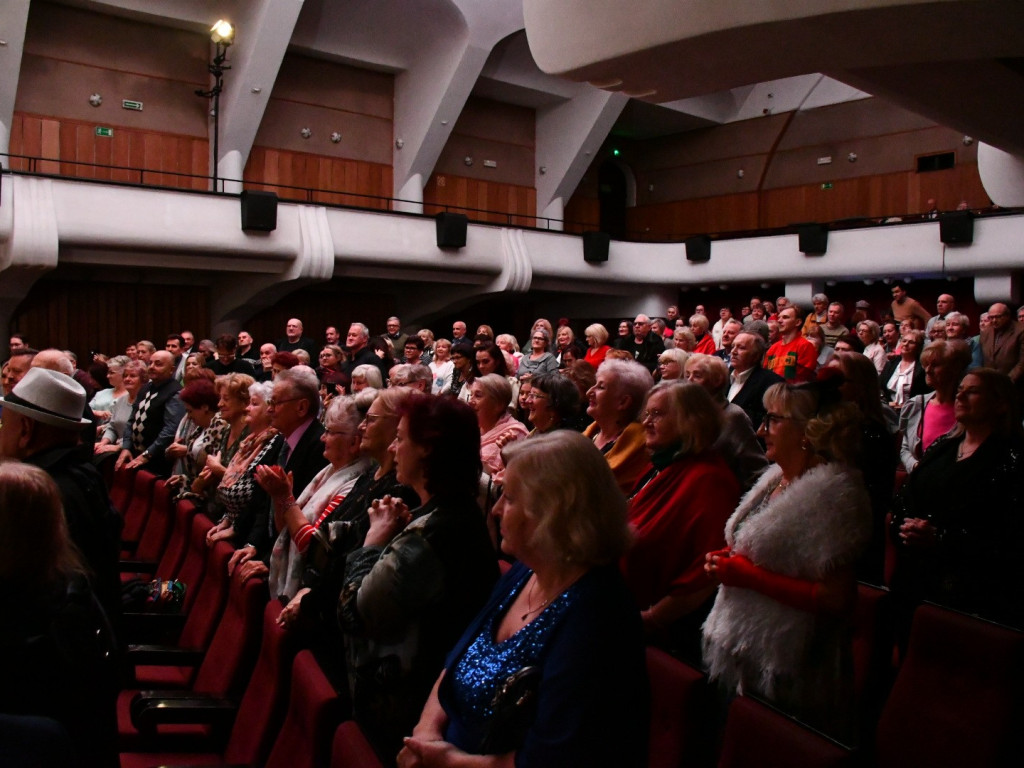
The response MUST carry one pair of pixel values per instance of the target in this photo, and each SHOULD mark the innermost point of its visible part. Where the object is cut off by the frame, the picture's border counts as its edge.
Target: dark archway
(612, 195)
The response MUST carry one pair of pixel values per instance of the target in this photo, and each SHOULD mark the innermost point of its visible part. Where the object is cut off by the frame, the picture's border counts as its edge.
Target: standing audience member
(903, 378)
(644, 345)
(597, 345)
(155, 416)
(957, 523)
(1002, 344)
(748, 380)
(561, 623)
(958, 327)
(699, 328)
(293, 339)
(421, 575)
(42, 421)
(906, 308)
(779, 628)
(614, 403)
(678, 510)
(792, 357)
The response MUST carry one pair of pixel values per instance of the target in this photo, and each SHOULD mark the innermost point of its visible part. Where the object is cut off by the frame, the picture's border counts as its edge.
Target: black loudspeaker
(698, 248)
(813, 239)
(451, 230)
(259, 211)
(956, 228)
(595, 246)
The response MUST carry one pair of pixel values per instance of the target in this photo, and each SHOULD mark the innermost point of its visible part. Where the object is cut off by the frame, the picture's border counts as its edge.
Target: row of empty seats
(223, 684)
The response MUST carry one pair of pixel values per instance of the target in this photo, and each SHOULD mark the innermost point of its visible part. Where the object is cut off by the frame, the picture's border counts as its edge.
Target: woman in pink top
(927, 417)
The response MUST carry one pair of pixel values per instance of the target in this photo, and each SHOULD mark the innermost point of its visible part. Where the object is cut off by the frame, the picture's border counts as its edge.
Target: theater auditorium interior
(490, 162)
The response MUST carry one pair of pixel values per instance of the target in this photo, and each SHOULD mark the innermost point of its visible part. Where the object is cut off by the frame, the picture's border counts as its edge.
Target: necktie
(286, 451)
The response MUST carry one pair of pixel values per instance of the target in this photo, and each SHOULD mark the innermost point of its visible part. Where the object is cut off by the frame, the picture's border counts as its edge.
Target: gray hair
(262, 390)
(303, 382)
(628, 378)
(343, 414)
(371, 373)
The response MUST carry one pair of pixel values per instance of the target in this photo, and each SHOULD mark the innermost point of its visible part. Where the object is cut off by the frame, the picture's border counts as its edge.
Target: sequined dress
(590, 680)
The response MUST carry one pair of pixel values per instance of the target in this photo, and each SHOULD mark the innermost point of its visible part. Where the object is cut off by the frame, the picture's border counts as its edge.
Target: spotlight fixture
(852, 157)
(336, 137)
(467, 160)
(399, 143)
(306, 133)
(543, 170)
(222, 34)
(95, 99)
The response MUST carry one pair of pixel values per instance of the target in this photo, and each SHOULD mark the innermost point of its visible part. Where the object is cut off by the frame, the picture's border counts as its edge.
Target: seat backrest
(314, 712)
(350, 749)
(138, 508)
(121, 489)
(193, 566)
(211, 594)
(177, 544)
(957, 698)
(235, 644)
(154, 536)
(757, 735)
(266, 696)
(679, 706)
(873, 642)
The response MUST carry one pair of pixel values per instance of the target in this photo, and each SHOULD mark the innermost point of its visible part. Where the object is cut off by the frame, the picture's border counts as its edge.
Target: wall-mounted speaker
(813, 238)
(595, 246)
(259, 211)
(451, 230)
(956, 227)
(698, 248)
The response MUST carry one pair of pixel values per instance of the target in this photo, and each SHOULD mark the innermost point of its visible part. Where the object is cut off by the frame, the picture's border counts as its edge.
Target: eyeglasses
(774, 418)
(274, 403)
(537, 396)
(653, 416)
(370, 418)
(338, 432)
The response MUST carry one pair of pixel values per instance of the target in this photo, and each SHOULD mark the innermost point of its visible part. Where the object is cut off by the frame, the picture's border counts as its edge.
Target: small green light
(616, 152)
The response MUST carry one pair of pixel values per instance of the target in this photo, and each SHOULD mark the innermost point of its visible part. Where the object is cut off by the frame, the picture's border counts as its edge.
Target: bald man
(944, 306)
(293, 339)
(1002, 343)
(156, 413)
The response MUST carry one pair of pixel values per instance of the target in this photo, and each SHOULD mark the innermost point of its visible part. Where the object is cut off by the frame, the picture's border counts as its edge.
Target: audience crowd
(712, 488)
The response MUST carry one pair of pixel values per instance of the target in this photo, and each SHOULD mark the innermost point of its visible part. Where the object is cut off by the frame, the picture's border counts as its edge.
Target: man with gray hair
(360, 353)
(294, 407)
(748, 380)
(729, 332)
(644, 345)
(817, 317)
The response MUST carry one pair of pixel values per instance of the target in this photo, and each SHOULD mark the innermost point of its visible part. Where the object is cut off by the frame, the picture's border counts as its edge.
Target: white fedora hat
(48, 397)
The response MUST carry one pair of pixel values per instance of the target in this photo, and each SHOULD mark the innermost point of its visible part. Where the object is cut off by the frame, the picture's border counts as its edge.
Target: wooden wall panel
(72, 148)
(108, 316)
(485, 201)
(677, 220)
(319, 179)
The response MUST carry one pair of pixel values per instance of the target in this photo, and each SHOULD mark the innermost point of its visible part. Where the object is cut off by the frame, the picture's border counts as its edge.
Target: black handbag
(515, 708)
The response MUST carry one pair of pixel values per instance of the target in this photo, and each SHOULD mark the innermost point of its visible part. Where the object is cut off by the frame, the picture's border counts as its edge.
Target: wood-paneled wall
(104, 316)
(517, 206)
(146, 157)
(342, 181)
(892, 194)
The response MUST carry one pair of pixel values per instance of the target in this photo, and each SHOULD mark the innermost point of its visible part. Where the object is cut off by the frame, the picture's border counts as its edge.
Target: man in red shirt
(793, 357)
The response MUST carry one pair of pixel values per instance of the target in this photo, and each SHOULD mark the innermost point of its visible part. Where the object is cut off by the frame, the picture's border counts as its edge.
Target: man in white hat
(42, 421)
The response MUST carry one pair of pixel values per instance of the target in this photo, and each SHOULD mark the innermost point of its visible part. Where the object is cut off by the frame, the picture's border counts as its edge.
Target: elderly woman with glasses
(298, 520)
(540, 360)
(678, 510)
(553, 402)
(780, 625)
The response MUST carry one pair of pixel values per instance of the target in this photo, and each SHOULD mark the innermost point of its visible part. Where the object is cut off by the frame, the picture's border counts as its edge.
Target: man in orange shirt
(792, 357)
(906, 308)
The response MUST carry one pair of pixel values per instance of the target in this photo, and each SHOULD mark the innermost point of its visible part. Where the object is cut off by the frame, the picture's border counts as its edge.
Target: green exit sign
(132, 105)
(827, 185)
(102, 131)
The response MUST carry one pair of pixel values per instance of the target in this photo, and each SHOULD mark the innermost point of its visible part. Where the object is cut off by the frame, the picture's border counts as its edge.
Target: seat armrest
(150, 709)
(164, 655)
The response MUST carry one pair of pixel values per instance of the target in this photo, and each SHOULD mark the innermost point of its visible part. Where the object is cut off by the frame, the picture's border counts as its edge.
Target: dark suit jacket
(750, 397)
(165, 413)
(304, 462)
(1005, 352)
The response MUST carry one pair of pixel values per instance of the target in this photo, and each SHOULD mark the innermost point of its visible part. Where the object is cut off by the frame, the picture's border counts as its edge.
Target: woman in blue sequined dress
(551, 673)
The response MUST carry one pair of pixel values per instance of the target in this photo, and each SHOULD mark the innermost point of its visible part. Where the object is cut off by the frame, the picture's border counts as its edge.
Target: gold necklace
(529, 598)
